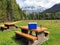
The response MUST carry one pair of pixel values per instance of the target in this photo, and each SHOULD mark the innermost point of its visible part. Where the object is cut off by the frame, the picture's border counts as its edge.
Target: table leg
(41, 37)
(36, 34)
(30, 32)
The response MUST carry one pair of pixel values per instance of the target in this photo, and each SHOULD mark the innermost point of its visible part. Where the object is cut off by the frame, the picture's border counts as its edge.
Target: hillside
(54, 8)
(52, 13)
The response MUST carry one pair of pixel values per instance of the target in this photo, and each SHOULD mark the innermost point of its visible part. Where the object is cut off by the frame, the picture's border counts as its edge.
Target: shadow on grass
(20, 41)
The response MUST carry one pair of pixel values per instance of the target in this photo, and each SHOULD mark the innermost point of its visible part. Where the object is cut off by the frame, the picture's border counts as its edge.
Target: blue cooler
(32, 25)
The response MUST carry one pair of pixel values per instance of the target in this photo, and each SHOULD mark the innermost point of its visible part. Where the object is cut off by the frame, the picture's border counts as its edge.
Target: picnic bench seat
(26, 35)
(3, 27)
(46, 33)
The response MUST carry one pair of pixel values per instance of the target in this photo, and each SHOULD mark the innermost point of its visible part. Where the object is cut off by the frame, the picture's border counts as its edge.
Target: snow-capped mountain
(31, 9)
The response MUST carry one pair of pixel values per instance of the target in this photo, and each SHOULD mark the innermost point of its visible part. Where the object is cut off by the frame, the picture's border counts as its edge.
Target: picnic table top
(9, 23)
(36, 30)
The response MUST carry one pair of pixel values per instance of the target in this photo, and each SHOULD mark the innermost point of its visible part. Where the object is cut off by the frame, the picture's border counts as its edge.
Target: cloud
(36, 3)
(56, 1)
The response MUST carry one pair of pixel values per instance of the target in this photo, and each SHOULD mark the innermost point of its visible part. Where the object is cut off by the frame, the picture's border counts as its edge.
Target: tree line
(43, 16)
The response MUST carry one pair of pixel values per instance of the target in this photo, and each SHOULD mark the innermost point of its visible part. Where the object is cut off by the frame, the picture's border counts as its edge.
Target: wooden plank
(26, 35)
(36, 30)
(3, 27)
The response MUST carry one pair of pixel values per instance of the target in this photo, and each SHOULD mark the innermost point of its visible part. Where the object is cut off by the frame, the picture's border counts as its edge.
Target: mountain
(55, 8)
(31, 9)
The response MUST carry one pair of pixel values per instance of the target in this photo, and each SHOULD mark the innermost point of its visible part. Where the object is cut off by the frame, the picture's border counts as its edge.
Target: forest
(9, 11)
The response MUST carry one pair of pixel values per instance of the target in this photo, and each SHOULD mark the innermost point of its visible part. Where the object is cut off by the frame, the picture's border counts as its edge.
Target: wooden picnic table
(40, 36)
(37, 31)
(9, 24)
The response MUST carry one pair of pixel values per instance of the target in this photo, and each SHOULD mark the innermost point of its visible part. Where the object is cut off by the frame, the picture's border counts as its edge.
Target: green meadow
(8, 37)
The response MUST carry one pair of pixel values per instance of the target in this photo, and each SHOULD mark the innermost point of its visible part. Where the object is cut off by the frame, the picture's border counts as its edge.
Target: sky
(36, 3)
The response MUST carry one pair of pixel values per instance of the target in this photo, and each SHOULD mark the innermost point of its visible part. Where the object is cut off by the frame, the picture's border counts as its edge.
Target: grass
(7, 37)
